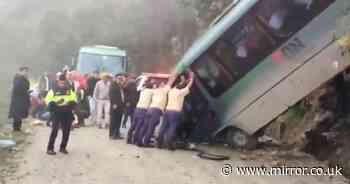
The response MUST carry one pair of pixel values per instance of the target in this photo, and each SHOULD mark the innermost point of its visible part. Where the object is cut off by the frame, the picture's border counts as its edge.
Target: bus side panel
(315, 36)
(299, 84)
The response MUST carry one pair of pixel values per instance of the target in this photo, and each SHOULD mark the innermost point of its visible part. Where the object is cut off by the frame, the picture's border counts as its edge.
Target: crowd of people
(158, 100)
(103, 100)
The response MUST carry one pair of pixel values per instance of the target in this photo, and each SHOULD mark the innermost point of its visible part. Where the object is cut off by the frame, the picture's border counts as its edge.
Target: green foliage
(297, 112)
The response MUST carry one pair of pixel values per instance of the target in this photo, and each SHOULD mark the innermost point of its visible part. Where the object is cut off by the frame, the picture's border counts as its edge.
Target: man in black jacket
(117, 99)
(20, 99)
(131, 99)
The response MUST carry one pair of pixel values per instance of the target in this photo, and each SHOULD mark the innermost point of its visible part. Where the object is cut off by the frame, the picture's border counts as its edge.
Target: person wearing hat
(131, 99)
(20, 98)
(61, 101)
(103, 105)
(117, 100)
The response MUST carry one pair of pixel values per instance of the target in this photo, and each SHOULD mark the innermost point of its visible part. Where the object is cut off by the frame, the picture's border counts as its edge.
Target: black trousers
(129, 112)
(17, 124)
(63, 121)
(116, 120)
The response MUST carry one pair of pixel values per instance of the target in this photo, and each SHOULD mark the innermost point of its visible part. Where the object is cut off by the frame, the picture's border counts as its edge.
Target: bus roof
(214, 33)
(103, 50)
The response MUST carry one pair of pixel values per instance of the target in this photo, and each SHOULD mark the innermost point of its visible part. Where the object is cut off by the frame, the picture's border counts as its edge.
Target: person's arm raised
(190, 83)
(172, 79)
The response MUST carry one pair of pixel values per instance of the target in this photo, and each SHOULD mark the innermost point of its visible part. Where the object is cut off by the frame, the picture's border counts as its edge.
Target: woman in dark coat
(20, 99)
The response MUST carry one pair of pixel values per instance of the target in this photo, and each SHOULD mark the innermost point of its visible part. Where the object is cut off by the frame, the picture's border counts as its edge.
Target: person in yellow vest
(61, 101)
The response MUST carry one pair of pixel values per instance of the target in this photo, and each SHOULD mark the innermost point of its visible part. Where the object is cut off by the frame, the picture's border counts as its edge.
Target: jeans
(139, 117)
(153, 120)
(167, 134)
(128, 112)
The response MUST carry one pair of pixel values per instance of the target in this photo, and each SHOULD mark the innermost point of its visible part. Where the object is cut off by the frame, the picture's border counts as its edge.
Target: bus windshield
(263, 29)
(89, 63)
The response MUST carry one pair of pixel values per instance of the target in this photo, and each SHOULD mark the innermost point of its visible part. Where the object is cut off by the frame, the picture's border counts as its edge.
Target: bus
(103, 59)
(261, 57)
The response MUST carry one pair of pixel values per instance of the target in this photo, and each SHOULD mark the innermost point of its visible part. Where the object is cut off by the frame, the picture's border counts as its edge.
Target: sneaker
(64, 151)
(51, 152)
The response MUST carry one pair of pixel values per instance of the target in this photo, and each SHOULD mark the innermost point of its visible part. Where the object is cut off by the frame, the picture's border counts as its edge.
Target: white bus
(262, 57)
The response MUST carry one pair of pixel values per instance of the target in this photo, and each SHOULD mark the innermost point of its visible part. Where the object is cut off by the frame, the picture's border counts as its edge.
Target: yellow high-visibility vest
(71, 96)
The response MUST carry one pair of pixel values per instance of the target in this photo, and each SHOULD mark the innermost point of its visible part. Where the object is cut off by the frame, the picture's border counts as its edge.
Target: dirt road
(94, 159)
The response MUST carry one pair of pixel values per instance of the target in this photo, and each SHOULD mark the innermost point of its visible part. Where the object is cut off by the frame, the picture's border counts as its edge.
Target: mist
(47, 34)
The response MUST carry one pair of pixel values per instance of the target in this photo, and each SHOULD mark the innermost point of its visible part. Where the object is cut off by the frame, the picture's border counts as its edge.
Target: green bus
(103, 59)
(261, 57)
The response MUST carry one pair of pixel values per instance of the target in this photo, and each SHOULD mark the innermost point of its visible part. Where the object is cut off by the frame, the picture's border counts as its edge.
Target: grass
(297, 112)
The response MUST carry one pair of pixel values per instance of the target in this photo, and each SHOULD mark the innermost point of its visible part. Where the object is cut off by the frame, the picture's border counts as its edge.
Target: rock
(268, 140)
(15, 149)
(276, 163)
(320, 117)
(7, 144)
(28, 131)
(244, 157)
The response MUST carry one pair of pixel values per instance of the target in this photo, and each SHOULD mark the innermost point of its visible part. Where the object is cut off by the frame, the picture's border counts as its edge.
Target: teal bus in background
(103, 59)
(261, 57)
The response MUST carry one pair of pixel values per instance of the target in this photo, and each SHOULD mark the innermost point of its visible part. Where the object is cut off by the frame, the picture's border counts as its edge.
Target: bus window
(212, 75)
(286, 17)
(243, 47)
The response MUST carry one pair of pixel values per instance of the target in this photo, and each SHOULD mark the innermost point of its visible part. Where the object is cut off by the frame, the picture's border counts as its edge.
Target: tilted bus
(262, 57)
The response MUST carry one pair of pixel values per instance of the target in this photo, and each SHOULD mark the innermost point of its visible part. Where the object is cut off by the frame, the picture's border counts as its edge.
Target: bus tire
(237, 138)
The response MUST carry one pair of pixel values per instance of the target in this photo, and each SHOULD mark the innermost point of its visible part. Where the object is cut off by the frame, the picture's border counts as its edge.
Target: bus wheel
(239, 139)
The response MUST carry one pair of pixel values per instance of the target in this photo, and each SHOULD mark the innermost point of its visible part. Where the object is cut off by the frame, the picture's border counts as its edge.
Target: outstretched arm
(172, 79)
(190, 83)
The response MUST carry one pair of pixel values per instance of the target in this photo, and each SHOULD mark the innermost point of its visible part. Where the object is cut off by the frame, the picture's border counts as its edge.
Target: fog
(47, 34)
